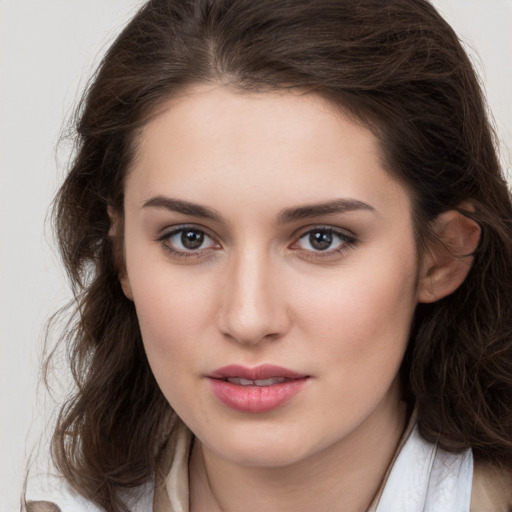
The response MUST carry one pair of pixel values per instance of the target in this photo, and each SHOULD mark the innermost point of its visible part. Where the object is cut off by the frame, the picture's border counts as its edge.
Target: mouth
(255, 390)
(262, 375)
(239, 381)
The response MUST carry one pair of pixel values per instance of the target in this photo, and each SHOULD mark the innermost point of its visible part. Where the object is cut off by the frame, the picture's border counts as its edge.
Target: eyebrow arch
(327, 208)
(185, 207)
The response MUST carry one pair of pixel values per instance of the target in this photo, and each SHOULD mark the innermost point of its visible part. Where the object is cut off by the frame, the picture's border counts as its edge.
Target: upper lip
(262, 372)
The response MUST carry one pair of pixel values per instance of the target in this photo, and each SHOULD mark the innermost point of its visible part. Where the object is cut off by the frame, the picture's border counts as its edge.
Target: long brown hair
(395, 65)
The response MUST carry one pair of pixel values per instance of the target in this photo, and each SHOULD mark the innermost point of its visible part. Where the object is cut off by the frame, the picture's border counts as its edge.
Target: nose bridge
(251, 308)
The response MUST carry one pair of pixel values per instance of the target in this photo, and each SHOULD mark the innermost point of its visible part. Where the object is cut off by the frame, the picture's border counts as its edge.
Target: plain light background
(48, 49)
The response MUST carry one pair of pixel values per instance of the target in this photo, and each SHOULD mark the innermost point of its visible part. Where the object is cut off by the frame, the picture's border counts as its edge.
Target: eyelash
(346, 242)
(165, 241)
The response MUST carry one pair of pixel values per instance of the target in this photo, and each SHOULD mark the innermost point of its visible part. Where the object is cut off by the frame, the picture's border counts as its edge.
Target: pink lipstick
(258, 389)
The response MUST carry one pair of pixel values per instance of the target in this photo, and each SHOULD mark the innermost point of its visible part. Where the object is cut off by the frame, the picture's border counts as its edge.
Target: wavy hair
(397, 67)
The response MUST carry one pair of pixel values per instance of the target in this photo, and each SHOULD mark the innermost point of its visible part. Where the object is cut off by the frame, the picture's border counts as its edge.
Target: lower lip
(256, 398)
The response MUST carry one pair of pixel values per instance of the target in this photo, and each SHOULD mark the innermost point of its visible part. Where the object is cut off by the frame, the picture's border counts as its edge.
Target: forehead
(258, 145)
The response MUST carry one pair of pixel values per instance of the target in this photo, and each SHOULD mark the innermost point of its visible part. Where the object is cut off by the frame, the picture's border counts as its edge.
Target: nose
(253, 309)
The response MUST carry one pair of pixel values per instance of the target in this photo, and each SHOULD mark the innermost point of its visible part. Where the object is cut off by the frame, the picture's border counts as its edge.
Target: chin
(264, 446)
(258, 456)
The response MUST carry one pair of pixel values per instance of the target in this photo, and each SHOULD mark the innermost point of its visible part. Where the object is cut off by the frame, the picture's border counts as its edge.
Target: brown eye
(187, 241)
(192, 239)
(327, 240)
(320, 240)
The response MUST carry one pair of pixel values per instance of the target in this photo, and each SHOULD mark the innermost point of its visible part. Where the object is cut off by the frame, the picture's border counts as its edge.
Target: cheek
(361, 321)
(356, 338)
(171, 318)
(173, 310)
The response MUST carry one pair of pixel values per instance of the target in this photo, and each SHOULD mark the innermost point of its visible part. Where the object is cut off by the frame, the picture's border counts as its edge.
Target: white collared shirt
(422, 478)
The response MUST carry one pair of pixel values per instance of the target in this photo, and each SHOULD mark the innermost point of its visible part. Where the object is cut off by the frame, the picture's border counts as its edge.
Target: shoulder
(492, 488)
(39, 506)
(48, 493)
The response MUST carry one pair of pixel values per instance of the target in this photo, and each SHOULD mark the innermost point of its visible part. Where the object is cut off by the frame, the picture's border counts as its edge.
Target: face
(273, 267)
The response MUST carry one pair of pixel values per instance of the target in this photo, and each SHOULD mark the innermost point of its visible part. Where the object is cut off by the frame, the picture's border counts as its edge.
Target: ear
(116, 234)
(448, 260)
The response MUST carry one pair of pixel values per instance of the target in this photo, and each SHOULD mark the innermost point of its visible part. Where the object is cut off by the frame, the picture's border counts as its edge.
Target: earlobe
(448, 260)
(115, 222)
(125, 285)
(115, 233)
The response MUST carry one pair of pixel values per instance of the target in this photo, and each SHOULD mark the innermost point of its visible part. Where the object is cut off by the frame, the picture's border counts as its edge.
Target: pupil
(320, 240)
(192, 239)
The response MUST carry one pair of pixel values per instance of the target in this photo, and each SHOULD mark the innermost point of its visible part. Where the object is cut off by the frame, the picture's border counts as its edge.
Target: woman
(290, 242)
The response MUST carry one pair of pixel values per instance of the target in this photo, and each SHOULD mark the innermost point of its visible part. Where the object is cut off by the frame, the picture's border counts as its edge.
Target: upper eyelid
(164, 239)
(171, 230)
(296, 235)
(350, 242)
(299, 233)
(349, 236)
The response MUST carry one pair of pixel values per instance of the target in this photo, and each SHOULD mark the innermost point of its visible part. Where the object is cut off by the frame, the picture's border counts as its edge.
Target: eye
(324, 240)
(187, 241)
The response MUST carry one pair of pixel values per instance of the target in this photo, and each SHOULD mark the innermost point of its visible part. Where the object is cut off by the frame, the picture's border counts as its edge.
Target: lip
(255, 399)
(262, 372)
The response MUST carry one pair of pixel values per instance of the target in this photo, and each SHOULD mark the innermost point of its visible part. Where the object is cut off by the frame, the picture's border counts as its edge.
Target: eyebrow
(327, 208)
(285, 216)
(185, 207)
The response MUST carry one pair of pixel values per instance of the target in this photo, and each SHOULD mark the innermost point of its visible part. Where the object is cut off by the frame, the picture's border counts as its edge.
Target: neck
(346, 476)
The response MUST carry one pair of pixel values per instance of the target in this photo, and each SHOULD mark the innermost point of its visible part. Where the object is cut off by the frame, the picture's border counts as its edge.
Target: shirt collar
(421, 477)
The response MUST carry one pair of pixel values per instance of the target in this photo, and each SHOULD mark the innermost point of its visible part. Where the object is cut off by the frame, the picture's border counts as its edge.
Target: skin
(257, 291)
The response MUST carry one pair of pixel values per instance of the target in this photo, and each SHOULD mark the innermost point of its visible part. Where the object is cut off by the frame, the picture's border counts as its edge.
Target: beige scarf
(491, 487)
